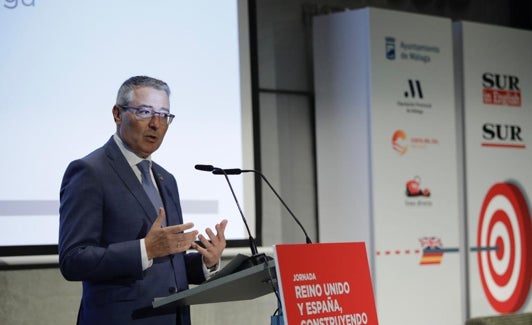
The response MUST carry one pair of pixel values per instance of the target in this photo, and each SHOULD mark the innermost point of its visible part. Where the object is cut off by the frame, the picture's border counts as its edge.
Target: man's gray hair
(125, 93)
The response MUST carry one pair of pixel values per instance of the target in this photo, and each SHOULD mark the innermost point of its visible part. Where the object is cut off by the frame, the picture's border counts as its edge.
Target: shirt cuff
(146, 263)
(209, 272)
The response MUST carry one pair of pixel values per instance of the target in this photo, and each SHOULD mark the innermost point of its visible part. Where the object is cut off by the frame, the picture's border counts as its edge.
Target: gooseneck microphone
(237, 171)
(252, 244)
(205, 168)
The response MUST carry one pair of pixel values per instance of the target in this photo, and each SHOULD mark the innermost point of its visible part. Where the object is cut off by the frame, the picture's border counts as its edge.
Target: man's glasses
(145, 113)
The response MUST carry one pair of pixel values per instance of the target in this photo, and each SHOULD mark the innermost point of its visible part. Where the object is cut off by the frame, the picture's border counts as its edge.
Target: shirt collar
(130, 156)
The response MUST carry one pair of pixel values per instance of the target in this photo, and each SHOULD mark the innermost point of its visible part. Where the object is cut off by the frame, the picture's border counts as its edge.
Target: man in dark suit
(124, 246)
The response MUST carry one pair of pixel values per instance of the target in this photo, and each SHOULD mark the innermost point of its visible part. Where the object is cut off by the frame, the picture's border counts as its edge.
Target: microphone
(256, 258)
(205, 168)
(237, 171)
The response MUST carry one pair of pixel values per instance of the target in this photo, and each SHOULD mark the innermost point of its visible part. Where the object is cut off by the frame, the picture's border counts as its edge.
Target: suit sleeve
(194, 265)
(84, 255)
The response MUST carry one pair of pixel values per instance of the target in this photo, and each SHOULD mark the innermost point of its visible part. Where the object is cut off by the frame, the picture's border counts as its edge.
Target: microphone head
(205, 168)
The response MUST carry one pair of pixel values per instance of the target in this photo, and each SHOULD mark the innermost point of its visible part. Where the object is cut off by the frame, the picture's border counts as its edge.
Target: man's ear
(117, 115)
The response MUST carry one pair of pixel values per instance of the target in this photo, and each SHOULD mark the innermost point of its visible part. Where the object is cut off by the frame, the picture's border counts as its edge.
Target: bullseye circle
(501, 261)
(504, 239)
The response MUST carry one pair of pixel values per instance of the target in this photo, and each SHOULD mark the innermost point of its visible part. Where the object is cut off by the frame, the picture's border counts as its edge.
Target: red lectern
(325, 284)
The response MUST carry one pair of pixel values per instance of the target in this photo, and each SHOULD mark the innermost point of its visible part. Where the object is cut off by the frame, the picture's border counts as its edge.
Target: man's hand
(213, 248)
(168, 240)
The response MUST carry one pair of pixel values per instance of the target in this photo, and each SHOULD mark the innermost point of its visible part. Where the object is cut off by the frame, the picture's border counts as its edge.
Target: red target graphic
(504, 243)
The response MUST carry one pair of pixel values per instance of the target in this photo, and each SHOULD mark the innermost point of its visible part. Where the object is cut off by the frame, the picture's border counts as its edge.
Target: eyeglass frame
(164, 115)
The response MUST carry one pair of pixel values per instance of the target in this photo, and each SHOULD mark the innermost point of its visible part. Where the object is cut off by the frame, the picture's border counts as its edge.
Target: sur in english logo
(501, 89)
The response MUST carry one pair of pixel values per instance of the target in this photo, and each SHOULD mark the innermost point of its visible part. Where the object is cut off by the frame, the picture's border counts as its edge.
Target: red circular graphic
(500, 243)
(504, 223)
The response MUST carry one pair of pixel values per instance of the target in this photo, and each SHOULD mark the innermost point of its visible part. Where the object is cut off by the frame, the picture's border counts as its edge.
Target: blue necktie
(148, 185)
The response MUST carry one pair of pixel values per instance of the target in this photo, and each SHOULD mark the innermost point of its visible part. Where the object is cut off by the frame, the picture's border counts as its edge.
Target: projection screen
(61, 65)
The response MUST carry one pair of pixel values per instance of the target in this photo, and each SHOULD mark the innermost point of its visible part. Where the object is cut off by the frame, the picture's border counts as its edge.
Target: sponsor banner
(388, 106)
(414, 168)
(325, 284)
(497, 105)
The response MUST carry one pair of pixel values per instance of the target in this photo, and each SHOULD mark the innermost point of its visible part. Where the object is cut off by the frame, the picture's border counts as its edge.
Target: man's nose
(155, 122)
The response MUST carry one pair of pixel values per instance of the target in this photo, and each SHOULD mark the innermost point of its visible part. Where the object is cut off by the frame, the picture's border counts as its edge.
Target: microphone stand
(237, 171)
(307, 238)
(255, 258)
(252, 243)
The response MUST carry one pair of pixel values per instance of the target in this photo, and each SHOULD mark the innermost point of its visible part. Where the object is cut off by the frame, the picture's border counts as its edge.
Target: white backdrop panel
(387, 161)
(497, 91)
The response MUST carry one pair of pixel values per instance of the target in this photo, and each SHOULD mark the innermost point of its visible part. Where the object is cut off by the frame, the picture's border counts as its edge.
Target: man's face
(143, 137)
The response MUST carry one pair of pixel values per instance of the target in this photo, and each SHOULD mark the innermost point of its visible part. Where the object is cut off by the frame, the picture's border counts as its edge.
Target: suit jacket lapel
(169, 200)
(120, 165)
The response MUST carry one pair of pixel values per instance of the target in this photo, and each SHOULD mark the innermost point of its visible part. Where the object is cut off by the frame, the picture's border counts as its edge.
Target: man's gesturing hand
(168, 240)
(214, 246)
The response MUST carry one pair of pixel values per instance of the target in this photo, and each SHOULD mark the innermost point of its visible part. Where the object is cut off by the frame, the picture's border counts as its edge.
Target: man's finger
(220, 229)
(160, 219)
(180, 228)
(206, 243)
(210, 233)
(190, 236)
(199, 248)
